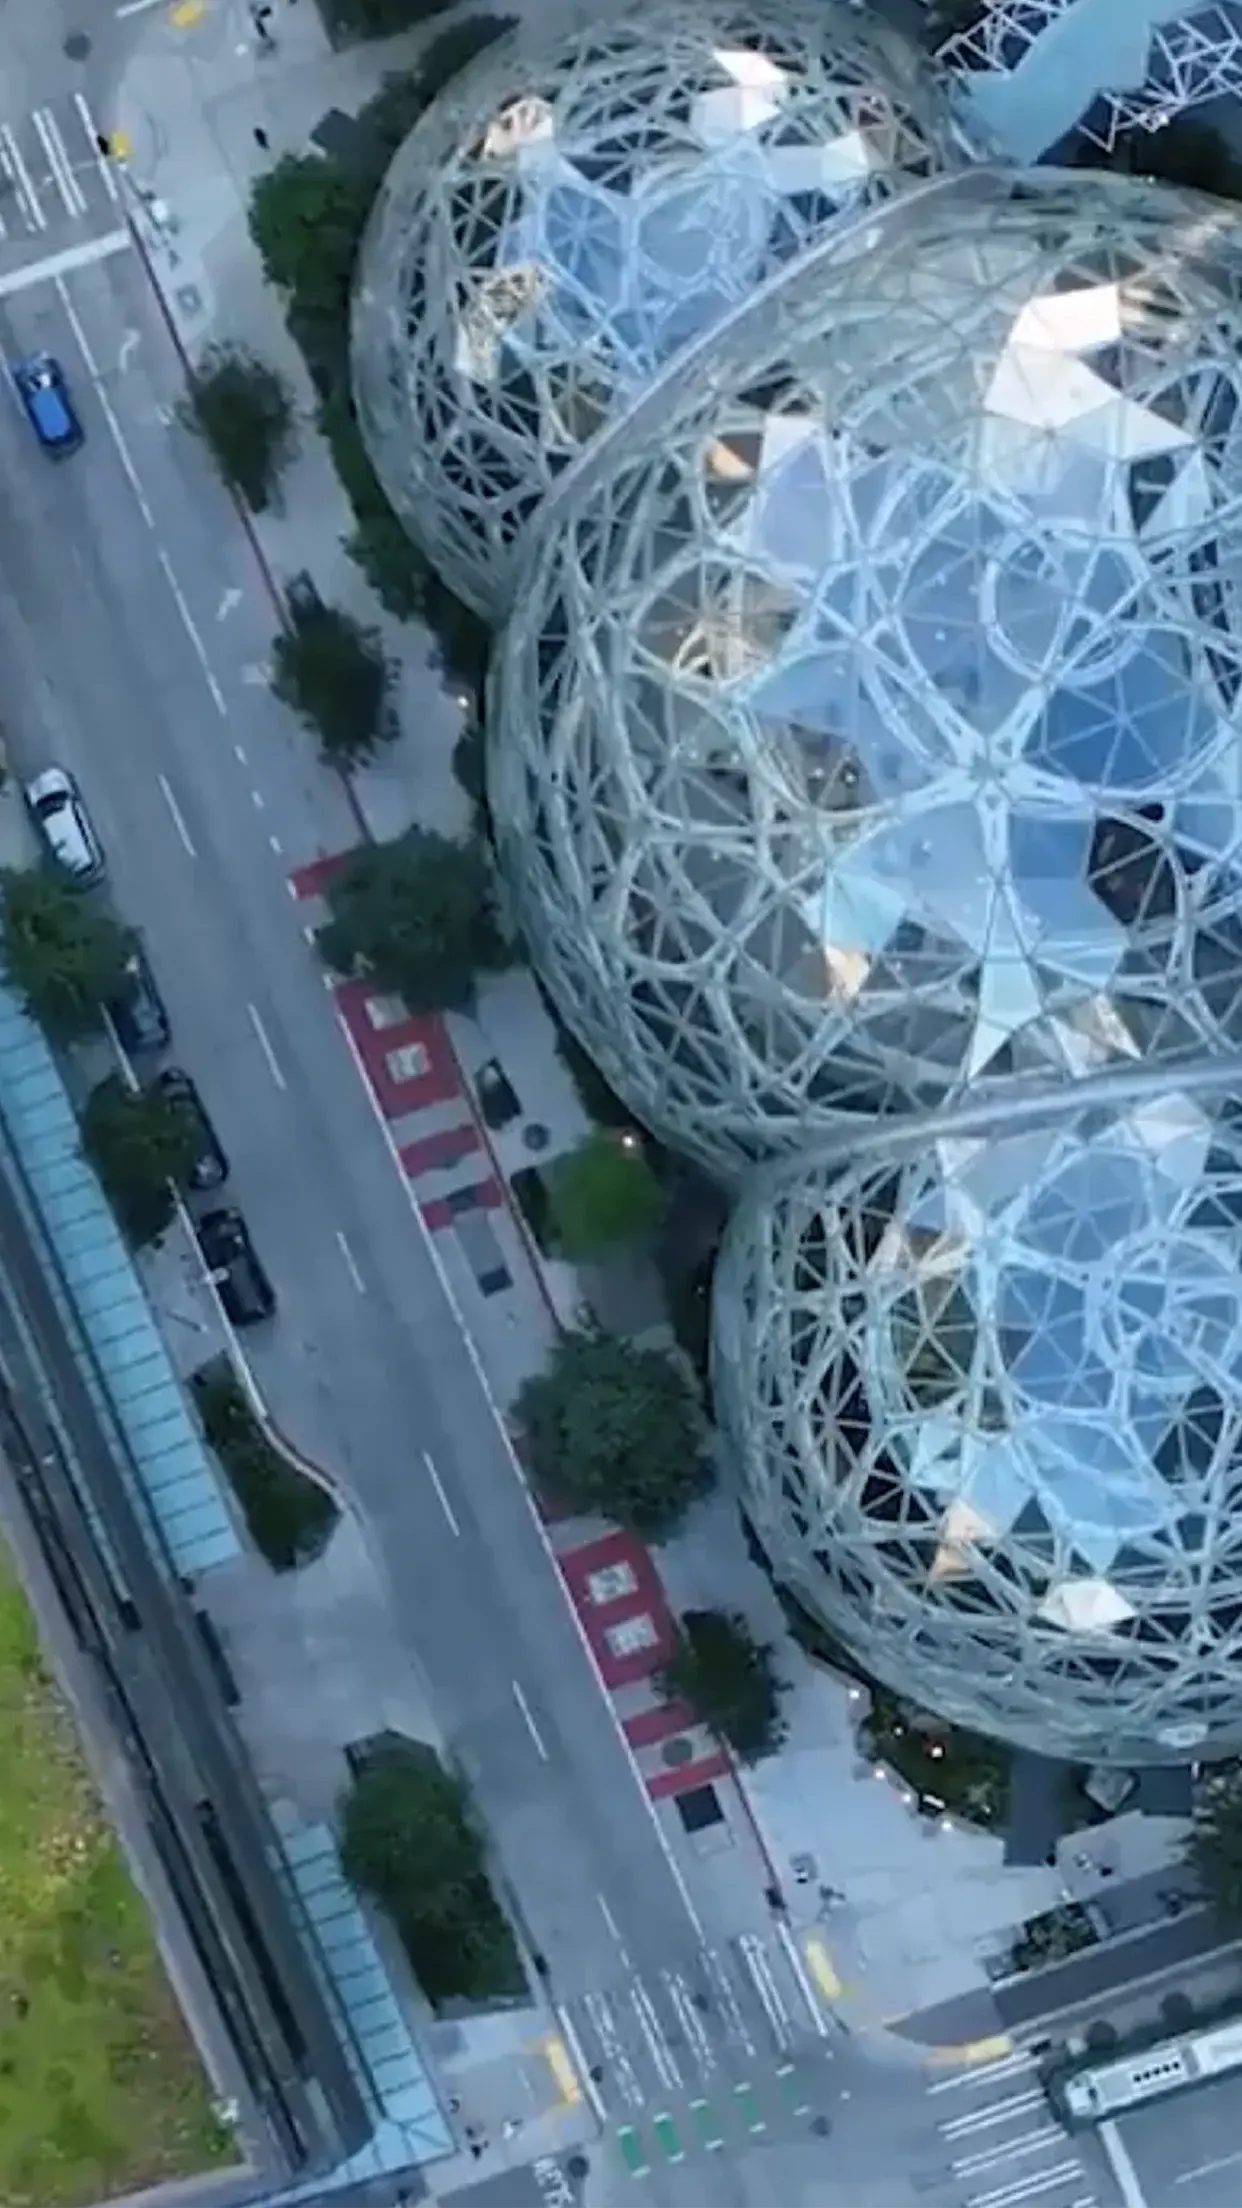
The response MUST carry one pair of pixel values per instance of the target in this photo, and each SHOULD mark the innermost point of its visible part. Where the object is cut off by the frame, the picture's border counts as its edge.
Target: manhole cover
(77, 46)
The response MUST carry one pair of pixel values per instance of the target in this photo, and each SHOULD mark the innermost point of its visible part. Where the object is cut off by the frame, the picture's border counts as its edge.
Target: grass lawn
(101, 2090)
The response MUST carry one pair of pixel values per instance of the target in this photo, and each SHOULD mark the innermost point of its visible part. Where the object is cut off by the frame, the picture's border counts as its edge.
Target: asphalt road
(128, 651)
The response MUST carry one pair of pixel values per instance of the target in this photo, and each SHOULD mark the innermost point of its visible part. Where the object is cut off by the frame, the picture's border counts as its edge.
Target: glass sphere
(866, 730)
(574, 210)
(985, 1406)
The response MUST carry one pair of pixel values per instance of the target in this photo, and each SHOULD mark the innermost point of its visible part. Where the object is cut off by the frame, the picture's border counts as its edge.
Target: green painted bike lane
(780, 2101)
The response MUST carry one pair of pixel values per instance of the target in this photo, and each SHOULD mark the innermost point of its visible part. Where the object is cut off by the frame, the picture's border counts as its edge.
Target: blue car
(42, 389)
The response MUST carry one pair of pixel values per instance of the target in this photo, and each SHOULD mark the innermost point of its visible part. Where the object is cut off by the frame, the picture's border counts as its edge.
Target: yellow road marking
(974, 2050)
(185, 13)
(562, 2068)
(820, 1962)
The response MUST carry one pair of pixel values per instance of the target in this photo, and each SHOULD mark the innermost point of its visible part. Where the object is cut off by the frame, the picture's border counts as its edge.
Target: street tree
(417, 917)
(616, 1430)
(603, 1196)
(243, 412)
(142, 1144)
(64, 955)
(1214, 1847)
(729, 1680)
(307, 215)
(336, 676)
(409, 1840)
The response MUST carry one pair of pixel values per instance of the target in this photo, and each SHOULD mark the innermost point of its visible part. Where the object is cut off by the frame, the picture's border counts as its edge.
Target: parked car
(138, 1011)
(229, 1255)
(56, 808)
(211, 1166)
(41, 387)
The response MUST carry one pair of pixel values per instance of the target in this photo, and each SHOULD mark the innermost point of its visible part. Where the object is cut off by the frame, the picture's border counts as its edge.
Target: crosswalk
(677, 2064)
(1001, 2141)
(53, 178)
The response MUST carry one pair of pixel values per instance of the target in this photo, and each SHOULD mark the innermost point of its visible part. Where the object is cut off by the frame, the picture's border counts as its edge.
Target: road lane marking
(230, 599)
(1207, 2169)
(790, 1945)
(57, 152)
(123, 452)
(92, 134)
(351, 1263)
(528, 1720)
(653, 2032)
(177, 816)
(1026, 2188)
(265, 1045)
(187, 623)
(19, 177)
(727, 1996)
(135, 483)
(56, 265)
(1015, 2150)
(137, 7)
(129, 346)
(992, 2112)
(569, 1608)
(438, 1485)
(606, 2032)
(583, 2067)
(609, 1918)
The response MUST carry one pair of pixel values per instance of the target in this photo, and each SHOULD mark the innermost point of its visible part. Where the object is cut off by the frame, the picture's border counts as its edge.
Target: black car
(229, 1255)
(138, 1012)
(211, 1166)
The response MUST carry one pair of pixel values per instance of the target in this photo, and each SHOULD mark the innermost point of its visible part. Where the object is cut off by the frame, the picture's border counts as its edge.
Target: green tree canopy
(1215, 1844)
(602, 1196)
(616, 1429)
(64, 955)
(307, 218)
(416, 916)
(728, 1678)
(243, 412)
(141, 1145)
(336, 676)
(408, 1839)
(307, 215)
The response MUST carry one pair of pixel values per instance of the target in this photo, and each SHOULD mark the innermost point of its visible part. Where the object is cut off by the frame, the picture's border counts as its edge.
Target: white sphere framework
(866, 731)
(575, 209)
(986, 1404)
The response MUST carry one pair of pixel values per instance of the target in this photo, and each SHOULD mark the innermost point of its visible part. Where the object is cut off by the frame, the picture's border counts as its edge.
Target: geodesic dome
(866, 730)
(575, 209)
(985, 1404)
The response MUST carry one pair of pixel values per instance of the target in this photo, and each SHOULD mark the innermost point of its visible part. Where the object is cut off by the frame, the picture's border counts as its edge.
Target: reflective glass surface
(986, 1407)
(575, 210)
(866, 731)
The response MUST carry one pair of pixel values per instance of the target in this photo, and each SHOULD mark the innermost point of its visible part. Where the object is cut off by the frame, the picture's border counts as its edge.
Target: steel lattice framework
(986, 1403)
(1192, 58)
(570, 214)
(867, 731)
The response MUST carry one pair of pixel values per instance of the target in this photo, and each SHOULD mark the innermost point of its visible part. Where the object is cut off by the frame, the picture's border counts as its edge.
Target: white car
(56, 807)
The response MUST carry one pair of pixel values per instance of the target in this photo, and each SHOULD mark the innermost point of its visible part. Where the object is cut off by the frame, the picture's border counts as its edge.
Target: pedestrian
(261, 139)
